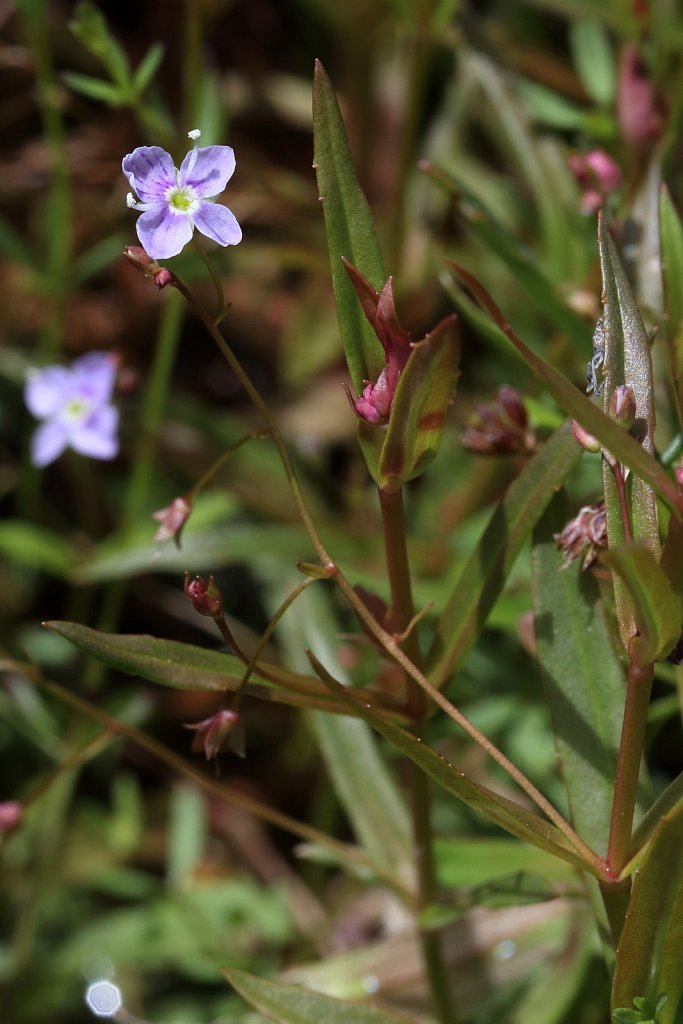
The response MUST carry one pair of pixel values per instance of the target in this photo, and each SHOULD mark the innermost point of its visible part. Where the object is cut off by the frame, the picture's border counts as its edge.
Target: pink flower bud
(212, 733)
(597, 174)
(206, 597)
(162, 278)
(640, 112)
(137, 256)
(586, 440)
(622, 406)
(11, 813)
(172, 520)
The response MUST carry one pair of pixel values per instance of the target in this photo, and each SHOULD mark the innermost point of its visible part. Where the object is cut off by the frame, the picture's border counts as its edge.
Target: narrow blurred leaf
(517, 257)
(484, 574)
(593, 59)
(462, 862)
(656, 607)
(100, 256)
(549, 107)
(350, 231)
(518, 820)
(94, 88)
(291, 1004)
(12, 245)
(671, 231)
(650, 950)
(187, 834)
(186, 667)
(90, 26)
(147, 67)
(36, 547)
(584, 680)
(618, 441)
(418, 414)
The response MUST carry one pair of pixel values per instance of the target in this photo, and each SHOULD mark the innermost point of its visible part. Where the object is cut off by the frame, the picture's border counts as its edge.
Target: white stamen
(131, 201)
(195, 134)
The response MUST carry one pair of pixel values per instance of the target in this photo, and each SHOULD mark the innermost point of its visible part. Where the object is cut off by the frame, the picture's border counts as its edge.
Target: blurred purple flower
(75, 404)
(598, 176)
(175, 202)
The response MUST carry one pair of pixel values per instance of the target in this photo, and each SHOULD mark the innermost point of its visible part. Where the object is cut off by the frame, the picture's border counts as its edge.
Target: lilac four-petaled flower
(74, 403)
(175, 202)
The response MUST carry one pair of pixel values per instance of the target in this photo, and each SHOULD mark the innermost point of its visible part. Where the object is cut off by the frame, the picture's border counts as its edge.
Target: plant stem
(402, 614)
(631, 745)
(618, 474)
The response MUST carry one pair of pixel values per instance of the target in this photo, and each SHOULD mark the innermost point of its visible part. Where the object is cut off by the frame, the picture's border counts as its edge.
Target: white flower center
(76, 409)
(182, 199)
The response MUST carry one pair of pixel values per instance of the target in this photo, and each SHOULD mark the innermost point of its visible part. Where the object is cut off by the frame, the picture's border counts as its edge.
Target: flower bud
(585, 535)
(162, 278)
(138, 258)
(586, 440)
(206, 597)
(211, 734)
(622, 406)
(172, 520)
(11, 813)
(641, 113)
(499, 427)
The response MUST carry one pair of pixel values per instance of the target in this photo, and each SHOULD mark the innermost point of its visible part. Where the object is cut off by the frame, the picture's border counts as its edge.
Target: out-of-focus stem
(618, 474)
(638, 689)
(402, 614)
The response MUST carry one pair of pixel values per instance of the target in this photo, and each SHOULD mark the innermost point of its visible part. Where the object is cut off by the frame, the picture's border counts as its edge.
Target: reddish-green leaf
(657, 609)
(650, 953)
(350, 231)
(186, 667)
(418, 414)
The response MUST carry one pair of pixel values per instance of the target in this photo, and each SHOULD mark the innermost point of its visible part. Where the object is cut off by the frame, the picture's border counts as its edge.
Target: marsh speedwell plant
(481, 674)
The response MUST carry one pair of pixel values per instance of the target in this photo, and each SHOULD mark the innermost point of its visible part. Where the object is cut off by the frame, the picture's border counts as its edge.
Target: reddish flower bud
(586, 440)
(172, 520)
(137, 256)
(499, 427)
(206, 597)
(622, 406)
(585, 535)
(212, 733)
(11, 813)
(640, 112)
(597, 174)
(162, 278)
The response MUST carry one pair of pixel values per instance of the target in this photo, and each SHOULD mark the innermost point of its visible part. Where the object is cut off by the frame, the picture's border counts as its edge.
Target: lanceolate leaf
(584, 680)
(650, 952)
(656, 607)
(518, 820)
(186, 667)
(627, 361)
(350, 231)
(291, 1004)
(613, 437)
(485, 573)
(418, 414)
(672, 271)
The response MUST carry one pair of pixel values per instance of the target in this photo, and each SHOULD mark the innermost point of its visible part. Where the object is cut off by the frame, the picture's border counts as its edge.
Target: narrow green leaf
(350, 231)
(186, 667)
(650, 950)
(94, 88)
(627, 361)
(418, 414)
(584, 680)
(36, 547)
(518, 820)
(656, 607)
(517, 257)
(484, 575)
(593, 59)
(147, 67)
(671, 232)
(613, 437)
(90, 26)
(291, 1004)
(13, 245)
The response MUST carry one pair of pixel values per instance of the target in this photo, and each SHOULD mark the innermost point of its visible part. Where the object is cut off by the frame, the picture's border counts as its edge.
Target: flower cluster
(174, 202)
(585, 535)
(74, 403)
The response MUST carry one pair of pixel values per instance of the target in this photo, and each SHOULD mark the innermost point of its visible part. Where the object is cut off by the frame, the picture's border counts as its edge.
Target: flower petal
(150, 172)
(163, 233)
(47, 390)
(208, 170)
(96, 437)
(94, 376)
(48, 443)
(217, 222)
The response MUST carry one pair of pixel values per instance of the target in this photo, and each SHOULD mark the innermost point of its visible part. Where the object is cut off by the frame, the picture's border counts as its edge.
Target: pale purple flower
(175, 202)
(74, 403)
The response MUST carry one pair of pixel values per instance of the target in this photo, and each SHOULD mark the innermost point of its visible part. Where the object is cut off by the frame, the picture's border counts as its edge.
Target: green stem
(402, 614)
(631, 746)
